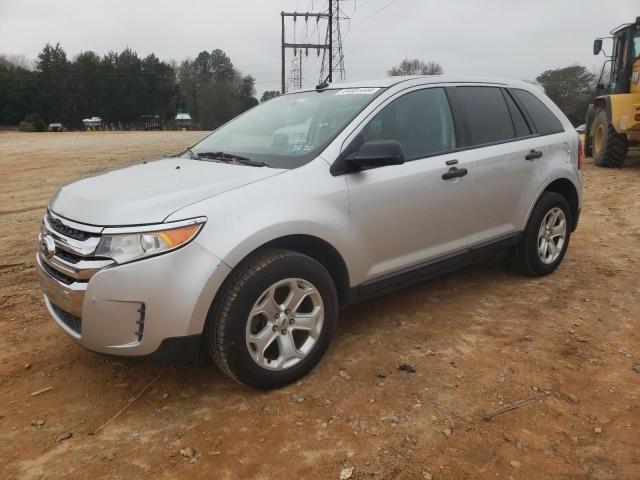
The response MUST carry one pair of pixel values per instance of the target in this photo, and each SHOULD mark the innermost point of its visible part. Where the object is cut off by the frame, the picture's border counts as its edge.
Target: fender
(544, 188)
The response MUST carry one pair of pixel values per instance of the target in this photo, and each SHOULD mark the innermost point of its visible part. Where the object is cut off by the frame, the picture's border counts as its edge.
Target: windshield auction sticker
(357, 91)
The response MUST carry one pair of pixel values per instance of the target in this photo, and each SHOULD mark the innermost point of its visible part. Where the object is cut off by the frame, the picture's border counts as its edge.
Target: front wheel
(273, 319)
(546, 237)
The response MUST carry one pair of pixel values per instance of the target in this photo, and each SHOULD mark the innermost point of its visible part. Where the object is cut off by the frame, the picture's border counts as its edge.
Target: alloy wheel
(552, 235)
(284, 324)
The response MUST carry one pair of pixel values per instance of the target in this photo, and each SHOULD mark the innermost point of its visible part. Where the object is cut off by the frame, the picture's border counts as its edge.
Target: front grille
(57, 274)
(71, 321)
(68, 256)
(68, 231)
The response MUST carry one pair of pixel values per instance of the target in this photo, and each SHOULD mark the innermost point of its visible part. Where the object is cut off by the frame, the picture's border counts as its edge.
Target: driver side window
(420, 121)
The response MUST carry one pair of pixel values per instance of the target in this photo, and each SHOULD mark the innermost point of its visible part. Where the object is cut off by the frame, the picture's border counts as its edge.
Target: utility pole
(330, 28)
(333, 42)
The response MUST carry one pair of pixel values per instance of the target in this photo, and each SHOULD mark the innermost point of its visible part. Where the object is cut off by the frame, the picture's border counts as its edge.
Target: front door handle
(533, 154)
(454, 172)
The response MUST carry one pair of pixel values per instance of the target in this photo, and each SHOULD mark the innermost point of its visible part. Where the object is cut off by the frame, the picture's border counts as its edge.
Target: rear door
(511, 161)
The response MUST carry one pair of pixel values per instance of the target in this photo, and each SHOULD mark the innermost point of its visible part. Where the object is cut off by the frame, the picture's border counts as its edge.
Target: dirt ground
(479, 339)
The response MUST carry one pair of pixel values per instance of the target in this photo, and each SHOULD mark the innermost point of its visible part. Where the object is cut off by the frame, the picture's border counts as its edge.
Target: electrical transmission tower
(332, 53)
(295, 75)
(333, 63)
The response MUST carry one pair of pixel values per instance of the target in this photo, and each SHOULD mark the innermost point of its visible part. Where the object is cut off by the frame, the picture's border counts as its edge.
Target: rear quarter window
(544, 120)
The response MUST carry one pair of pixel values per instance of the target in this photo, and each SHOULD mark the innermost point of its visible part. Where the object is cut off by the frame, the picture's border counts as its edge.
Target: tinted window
(545, 122)
(420, 121)
(486, 113)
(519, 123)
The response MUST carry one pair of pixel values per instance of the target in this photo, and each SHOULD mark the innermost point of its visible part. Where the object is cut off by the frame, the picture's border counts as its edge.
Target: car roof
(386, 82)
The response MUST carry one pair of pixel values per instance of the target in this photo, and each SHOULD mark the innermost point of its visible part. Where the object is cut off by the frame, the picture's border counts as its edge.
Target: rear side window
(486, 113)
(545, 122)
(420, 121)
(519, 123)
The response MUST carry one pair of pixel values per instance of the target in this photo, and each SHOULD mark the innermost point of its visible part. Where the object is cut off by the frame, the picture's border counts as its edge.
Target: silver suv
(249, 242)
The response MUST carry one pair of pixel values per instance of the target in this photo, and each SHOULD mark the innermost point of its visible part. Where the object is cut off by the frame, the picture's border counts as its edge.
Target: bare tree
(416, 67)
(16, 61)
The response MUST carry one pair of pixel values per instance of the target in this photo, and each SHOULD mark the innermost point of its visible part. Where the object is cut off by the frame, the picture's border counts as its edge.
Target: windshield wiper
(231, 158)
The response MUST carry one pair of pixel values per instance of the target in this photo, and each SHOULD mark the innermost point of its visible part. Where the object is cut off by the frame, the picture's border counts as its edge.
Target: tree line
(120, 87)
(572, 88)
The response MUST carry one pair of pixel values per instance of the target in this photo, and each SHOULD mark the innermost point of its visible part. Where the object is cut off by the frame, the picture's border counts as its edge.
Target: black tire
(524, 256)
(226, 326)
(609, 148)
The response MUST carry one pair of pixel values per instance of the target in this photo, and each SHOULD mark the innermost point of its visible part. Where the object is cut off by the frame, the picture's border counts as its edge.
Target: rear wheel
(609, 147)
(546, 237)
(273, 320)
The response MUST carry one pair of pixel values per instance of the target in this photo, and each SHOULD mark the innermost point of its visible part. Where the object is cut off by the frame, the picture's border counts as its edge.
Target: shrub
(37, 124)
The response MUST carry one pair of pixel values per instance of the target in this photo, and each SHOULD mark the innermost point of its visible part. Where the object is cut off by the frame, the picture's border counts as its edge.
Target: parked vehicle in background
(151, 122)
(613, 122)
(183, 120)
(55, 127)
(247, 247)
(92, 123)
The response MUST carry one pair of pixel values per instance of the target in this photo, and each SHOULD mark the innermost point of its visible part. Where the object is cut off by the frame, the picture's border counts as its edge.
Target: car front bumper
(156, 307)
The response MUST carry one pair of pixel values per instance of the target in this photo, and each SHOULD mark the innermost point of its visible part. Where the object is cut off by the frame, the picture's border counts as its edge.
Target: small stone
(37, 422)
(597, 430)
(515, 464)
(636, 367)
(64, 436)
(528, 338)
(519, 445)
(380, 384)
(430, 352)
(193, 460)
(165, 395)
(572, 398)
(381, 375)
(581, 339)
(447, 432)
(427, 476)
(27, 366)
(345, 473)
(267, 408)
(345, 375)
(405, 367)
(297, 398)
(187, 452)
(573, 440)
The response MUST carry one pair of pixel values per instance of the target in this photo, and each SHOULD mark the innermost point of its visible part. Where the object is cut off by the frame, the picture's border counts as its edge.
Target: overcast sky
(503, 38)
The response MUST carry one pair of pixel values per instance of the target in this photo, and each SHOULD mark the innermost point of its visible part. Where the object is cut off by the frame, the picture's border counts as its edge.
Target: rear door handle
(533, 154)
(454, 172)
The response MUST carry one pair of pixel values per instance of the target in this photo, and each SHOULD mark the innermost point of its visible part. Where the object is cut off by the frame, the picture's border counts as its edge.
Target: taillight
(580, 155)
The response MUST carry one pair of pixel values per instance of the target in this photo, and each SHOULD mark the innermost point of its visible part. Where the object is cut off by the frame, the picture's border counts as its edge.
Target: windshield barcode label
(357, 91)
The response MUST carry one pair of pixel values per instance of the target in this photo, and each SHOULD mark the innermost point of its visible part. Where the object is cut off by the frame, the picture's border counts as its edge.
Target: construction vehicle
(613, 121)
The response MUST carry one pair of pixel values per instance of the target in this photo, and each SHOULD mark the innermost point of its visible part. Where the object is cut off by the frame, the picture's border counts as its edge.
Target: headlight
(128, 244)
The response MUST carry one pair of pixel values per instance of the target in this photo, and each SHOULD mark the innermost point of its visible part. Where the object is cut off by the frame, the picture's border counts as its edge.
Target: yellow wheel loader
(613, 121)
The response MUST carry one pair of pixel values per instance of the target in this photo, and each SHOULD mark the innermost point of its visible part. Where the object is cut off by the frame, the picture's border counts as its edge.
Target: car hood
(149, 192)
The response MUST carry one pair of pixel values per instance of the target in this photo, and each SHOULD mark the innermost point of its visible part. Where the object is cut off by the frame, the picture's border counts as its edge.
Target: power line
(372, 15)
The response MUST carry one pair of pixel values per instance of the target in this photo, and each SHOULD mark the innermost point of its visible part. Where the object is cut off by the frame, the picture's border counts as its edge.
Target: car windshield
(291, 130)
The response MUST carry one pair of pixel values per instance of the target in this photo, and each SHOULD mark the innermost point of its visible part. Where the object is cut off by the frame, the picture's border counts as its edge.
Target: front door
(405, 215)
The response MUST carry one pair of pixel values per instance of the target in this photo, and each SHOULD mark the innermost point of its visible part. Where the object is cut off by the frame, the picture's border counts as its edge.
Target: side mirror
(375, 154)
(597, 46)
